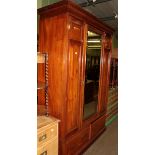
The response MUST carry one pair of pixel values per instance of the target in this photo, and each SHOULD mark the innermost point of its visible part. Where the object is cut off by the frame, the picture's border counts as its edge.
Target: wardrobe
(79, 48)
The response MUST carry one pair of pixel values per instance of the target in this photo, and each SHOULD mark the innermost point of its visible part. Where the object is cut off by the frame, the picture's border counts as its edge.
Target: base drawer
(50, 148)
(97, 126)
(78, 141)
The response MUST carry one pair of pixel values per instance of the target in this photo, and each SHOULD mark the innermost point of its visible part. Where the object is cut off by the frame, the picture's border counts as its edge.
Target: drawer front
(47, 134)
(97, 126)
(78, 141)
(50, 148)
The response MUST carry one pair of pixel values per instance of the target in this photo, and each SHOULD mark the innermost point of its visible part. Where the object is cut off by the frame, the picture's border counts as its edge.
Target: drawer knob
(44, 153)
(76, 28)
(52, 130)
(42, 138)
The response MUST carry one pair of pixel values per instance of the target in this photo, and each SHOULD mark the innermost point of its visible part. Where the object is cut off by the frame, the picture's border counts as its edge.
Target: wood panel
(73, 107)
(75, 30)
(53, 40)
(104, 82)
(77, 141)
(41, 97)
(106, 73)
(97, 126)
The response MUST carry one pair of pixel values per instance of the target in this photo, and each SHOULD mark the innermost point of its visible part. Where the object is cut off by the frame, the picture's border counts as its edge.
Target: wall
(115, 41)
(115, 47)
(115, 53)
(47, 2)
(42, 3)
(39, 3)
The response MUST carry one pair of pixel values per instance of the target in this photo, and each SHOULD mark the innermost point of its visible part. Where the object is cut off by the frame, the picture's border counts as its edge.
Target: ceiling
(105, 10)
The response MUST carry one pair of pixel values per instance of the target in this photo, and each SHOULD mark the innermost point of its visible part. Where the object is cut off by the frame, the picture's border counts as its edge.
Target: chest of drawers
(47, 135)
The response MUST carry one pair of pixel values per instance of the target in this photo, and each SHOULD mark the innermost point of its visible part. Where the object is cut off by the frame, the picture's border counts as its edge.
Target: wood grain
(73, 86)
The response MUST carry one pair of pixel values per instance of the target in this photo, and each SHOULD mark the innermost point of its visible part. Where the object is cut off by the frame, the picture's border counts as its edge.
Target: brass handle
(44, 153)
(42, 138)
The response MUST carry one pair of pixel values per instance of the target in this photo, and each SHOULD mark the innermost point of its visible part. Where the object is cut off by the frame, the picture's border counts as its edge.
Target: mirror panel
(92, 72)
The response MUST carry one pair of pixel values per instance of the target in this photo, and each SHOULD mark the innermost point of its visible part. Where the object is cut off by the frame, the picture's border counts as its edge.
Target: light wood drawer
(50, 148)
(47, 134)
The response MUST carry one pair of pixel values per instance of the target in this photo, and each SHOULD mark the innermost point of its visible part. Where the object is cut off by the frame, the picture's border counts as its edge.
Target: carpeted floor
(107, 143)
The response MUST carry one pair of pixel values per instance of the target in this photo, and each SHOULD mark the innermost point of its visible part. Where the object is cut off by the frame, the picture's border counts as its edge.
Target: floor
(107, 143)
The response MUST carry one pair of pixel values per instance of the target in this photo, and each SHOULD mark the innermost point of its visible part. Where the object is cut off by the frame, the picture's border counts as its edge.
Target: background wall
(115, 40)
(115, 53)
(39, 3)
(42, 3)
(115, 46)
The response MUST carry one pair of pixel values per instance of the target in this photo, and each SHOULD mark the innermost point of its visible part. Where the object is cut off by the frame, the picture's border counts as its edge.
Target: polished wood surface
(106, 57)
(78, 141)
(75, 29)
(53, 39)
(63, 35)
(73, 86)
(97, 126)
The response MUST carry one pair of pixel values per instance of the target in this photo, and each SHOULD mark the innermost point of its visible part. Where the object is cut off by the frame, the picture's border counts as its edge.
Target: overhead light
(91, 2)
(116, 16)
(93, 41)
(92, 46)
(96, 48)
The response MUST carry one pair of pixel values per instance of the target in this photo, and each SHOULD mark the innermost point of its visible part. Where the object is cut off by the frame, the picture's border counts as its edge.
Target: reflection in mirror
(92, 73)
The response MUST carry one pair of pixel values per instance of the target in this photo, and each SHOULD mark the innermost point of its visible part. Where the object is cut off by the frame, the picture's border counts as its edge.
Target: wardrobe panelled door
(73, 106)
(92, 73)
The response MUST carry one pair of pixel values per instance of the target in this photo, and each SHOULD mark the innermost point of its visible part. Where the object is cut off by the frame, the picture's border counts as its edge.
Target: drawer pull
(44, 153)
(76, 28)
(52, 130)
(42, 138)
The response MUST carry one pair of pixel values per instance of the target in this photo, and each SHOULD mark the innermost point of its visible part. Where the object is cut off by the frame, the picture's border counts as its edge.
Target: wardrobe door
(92, 75)
(73, 105)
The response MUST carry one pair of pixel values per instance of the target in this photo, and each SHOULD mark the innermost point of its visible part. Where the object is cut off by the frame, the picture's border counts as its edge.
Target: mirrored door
(92, 74)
